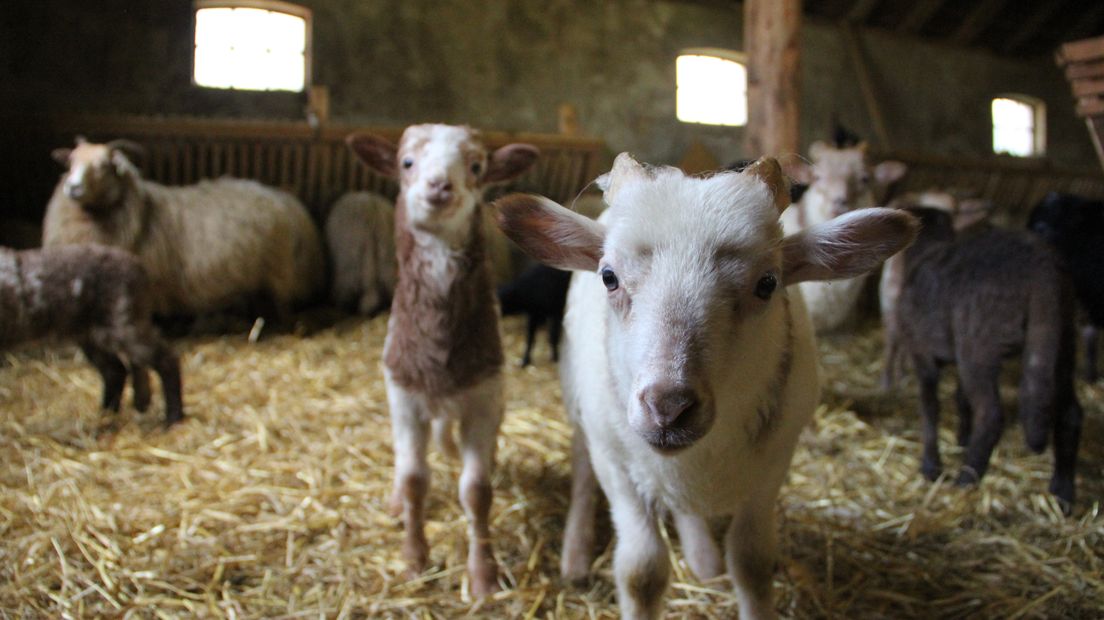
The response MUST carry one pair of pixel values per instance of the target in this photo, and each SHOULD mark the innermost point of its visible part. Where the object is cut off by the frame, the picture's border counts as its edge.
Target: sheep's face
(96, 174)
(840, 179)
(692, 270)
(697, 323)
(442, 171)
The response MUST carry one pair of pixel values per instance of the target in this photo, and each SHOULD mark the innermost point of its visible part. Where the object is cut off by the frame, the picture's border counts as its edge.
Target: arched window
(1019, 126)
(252, 45)
(711, 87)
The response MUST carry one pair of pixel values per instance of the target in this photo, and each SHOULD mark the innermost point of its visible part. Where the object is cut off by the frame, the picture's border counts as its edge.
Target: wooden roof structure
(1005, 27)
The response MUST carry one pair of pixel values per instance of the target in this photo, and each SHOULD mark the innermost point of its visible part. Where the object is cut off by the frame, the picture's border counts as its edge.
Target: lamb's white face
(841, 180)
(693, 273)
(440, 167)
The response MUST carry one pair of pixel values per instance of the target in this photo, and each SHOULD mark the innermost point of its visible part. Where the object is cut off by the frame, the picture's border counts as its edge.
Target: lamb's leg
(478, 435)
(146, 349)
(890, 363)
(927, 376)
(980, 384)
(112, 371)
(641, 565)
(410, 435)
(1088, 340)
(578, 541)
(698, 547)
(443, 437)
(751, 552)
(965, 415)
(532, 322)
(1067, 436)
(139, 382)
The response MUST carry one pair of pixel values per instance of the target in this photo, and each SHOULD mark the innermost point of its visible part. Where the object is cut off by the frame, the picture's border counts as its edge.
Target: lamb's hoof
(575, 572)
(1063, 491)
(967, 477)
(173, 420)
(484, 580)
(417, 558)
(931, 471)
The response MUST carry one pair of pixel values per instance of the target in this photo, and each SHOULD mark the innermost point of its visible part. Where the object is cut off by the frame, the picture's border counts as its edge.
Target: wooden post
(771, 30)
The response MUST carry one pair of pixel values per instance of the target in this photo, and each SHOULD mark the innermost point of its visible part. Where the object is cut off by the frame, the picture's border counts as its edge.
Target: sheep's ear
(818, 149)
(510, 161)
(846, 246)
(121, 162)
(377, 153)
(889, 172)
(134, 152)
(61, 155)
(553, 235)
(81, 139)
(768, 171)
(625, 170)
(971, 211)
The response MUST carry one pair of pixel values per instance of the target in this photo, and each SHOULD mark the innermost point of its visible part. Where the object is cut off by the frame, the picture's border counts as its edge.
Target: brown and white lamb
(100, 297)
(443, 353)
(204, 246)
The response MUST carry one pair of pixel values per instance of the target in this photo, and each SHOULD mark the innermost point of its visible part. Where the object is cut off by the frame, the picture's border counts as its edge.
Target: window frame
(276, 6)
(736, 56)
(1038, 129)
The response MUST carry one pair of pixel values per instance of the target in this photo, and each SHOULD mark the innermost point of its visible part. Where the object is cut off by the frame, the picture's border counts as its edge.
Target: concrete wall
(508, 64)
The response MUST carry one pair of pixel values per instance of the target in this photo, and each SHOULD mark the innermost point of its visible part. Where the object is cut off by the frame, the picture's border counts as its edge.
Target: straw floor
(270, 500)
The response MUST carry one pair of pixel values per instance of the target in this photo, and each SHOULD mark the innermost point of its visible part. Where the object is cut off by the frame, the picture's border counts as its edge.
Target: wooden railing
(1083, 63)
(313, 163)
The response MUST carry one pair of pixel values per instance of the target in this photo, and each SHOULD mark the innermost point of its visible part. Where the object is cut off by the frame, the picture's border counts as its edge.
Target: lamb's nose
(440, 185)
(667, 404)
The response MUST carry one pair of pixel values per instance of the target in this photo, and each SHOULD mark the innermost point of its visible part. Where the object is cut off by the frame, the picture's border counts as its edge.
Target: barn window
(711, 87)
(251, 45)
(1018, 126)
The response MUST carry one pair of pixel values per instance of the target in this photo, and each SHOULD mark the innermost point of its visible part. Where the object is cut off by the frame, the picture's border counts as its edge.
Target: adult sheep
(204, 246)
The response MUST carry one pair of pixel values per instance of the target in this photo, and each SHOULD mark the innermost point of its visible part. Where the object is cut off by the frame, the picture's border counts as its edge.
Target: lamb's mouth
(672, 440)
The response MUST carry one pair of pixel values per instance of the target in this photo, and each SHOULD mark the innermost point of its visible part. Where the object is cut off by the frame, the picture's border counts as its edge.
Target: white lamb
(840, 181)
(688, 364)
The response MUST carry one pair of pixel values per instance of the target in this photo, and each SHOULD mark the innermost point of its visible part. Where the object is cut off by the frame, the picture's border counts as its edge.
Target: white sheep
(443, 353)
(360, 235)
(689, 363)
(204, 246)
(840, 181)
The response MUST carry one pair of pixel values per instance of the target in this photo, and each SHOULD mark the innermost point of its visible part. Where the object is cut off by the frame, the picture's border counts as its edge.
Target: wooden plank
(1090, 107)
(771, 33)
(1096, 132)
(1082, 70)
(1087, 87)
(1080, 51)
(866, 85)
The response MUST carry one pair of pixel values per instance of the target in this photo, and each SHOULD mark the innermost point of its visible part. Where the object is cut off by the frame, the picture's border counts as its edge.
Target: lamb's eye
(766, 286)
(407, 162)
(476, 168)
(609, 278)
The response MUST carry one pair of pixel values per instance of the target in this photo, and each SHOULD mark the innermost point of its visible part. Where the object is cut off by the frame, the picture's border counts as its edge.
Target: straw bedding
(270, 500)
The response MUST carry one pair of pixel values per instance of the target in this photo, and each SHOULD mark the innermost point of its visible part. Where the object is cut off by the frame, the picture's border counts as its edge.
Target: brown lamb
(99, 296)
(973, 301)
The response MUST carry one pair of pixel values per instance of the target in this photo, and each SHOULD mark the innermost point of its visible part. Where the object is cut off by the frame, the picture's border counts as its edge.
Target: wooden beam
(921, 12)
(977, 21)
(771, 29)
(862, 10)
(1080, 51)
(1031, 26)
(1087, 108)
(1082, 70)
(866, 85)
(1087, 88)
(1096, 132)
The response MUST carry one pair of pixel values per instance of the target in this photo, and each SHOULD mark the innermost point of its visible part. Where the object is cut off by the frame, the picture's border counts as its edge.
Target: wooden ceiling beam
(1031, 26)
(861, 10)
(978, 20)
(920, 14)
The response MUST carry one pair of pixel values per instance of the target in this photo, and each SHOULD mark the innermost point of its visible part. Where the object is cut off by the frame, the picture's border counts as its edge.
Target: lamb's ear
(625, 170)
(510, 161)
(889, 172)
(768, 171)
(555, 236)
(846, 246)
(377, 153)
(61, 155)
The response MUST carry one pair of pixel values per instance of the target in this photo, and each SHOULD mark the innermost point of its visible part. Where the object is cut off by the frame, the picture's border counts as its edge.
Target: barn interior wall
(508, 64)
